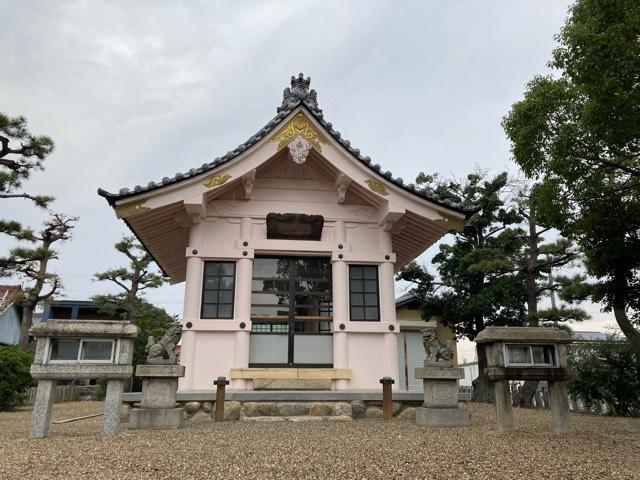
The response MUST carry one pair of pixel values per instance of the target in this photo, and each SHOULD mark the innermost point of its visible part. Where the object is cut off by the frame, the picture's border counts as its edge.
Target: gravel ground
(599, 448)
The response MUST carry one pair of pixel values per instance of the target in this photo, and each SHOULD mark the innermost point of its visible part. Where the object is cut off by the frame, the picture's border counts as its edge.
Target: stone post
(440, 407)
(112, 403)
(559, 407)
(42, 408)
(504, 414)
(158, 403)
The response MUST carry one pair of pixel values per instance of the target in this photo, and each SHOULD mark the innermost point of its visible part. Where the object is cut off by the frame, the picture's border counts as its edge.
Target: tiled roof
(297, 95)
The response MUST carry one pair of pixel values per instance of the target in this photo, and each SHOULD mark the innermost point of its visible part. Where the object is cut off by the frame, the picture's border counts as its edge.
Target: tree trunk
(25, 325)
(482, 389)
(625, 325)
(524, 395)
(620, 307)
(532, 272)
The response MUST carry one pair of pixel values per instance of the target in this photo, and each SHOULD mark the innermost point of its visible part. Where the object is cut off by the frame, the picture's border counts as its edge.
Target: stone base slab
(443, 417)
(147, 370)
(439, 372)
(152, 418)
(291, 384)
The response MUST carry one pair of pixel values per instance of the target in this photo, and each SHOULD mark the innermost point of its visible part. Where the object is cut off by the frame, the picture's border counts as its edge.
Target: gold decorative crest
(299, 125)
(377, 187)
(129, 209)
(216, 180)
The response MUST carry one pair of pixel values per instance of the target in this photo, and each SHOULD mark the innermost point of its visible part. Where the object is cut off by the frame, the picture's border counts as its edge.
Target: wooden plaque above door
(294, 226)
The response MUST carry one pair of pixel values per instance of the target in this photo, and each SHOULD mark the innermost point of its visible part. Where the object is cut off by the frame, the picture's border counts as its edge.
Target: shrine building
(288, 246)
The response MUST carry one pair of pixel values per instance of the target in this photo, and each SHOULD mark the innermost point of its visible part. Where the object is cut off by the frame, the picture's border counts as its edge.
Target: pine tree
(16, 166)
(472, 291)
(31, 265)
(134, 279)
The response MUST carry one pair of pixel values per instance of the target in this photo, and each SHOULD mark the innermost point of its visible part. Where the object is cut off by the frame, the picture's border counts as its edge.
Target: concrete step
(299, 419)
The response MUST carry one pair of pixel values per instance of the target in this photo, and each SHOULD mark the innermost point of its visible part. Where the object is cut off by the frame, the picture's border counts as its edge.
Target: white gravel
(598, 448)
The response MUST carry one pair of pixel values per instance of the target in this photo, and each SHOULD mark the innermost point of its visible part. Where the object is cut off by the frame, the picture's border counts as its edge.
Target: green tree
(578, 135)
(31, 265)
(139, 275)
(17, 164)
(609, 373)
(15, 378)
(151, 320)
(539, 258)
(473, 290)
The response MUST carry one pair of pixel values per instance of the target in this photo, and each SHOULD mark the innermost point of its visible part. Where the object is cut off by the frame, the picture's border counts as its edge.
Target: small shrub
(15, 378)
(607, 372)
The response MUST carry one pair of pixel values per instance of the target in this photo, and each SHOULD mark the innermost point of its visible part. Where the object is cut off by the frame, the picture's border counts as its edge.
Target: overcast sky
(135, 91)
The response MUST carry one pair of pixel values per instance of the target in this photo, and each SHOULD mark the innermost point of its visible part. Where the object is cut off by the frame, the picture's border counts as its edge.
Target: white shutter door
(402, 381)
(410, 347)
(416, 357)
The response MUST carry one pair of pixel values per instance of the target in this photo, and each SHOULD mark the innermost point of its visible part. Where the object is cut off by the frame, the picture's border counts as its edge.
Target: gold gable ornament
(377, 187)
(216, 180)
(299, 126)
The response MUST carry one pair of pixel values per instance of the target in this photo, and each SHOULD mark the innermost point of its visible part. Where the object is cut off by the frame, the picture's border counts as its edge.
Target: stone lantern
(528, 353)
(81, 349)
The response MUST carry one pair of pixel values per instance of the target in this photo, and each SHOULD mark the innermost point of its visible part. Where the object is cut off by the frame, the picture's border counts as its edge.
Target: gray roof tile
(295, 95)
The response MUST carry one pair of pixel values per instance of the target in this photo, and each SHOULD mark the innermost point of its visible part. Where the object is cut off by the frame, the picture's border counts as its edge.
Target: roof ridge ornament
(299, 93)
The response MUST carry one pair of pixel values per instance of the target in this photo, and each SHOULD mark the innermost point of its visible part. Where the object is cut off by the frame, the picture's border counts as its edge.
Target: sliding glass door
(291, 312)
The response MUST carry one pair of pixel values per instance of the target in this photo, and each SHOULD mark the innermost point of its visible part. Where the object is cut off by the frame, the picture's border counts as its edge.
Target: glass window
(363, 292)
(97, 350)
(64, 349)
(291, 287)
(519, 354)
(81, 350)
(218, 289)
(543, 354)
(531, 355)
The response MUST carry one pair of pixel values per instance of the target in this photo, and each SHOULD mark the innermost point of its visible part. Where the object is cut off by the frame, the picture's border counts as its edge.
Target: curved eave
(316, 113)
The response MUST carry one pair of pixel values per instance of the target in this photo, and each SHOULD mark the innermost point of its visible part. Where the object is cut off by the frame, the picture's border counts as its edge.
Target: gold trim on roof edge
(377, 187)
(129, 209)
(216, 180)
(299, 125)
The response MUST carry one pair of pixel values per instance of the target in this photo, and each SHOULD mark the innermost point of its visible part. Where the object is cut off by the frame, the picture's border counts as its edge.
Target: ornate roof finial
(299, 93)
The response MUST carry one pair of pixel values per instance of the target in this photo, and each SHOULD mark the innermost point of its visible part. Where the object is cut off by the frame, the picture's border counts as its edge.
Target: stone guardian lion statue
(436, 351)
(163, 350)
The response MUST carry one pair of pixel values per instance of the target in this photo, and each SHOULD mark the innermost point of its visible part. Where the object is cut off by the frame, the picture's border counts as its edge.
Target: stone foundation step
(292, 384)
(300, 419)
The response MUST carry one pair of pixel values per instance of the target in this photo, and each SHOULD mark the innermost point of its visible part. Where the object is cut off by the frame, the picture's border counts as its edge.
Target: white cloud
(135, 91)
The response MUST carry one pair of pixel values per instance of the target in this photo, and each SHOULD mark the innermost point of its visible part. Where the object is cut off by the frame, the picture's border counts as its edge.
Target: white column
(242, 308)
(388, 310)
(191, 312)
(340, 288)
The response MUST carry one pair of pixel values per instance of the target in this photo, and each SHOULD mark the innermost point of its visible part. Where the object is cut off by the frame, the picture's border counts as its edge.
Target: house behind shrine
(288, 246)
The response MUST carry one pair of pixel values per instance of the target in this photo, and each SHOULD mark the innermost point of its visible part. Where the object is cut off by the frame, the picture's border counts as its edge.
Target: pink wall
(211, 348)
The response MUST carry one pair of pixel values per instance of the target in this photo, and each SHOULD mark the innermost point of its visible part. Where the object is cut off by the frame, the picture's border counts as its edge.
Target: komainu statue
(163, 351)
(437, 352)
